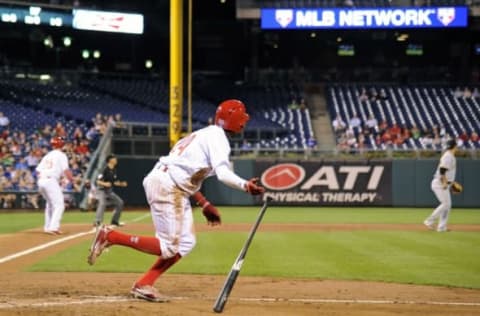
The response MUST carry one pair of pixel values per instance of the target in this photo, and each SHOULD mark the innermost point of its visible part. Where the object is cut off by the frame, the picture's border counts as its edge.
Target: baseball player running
(442, 180)
(168, 187)
(52, 166)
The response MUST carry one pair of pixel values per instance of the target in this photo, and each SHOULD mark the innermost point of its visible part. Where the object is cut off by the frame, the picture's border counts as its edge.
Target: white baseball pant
(443, 210)
(171, 214)
(51, 191)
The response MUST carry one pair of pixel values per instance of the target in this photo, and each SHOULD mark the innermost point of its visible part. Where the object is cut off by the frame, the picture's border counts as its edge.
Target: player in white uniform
(53, 166)
(168, 187)
(442, 180)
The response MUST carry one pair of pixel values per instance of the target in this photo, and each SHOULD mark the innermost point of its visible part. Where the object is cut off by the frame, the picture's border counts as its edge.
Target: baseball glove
(456, 187)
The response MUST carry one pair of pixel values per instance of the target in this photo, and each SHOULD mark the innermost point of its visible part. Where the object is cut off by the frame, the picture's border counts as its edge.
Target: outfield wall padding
(409, 182)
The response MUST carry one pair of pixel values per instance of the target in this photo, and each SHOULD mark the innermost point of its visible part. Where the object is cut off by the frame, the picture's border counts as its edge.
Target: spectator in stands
(355, 122)
(371, 125)
(382, 127)
(81, 147)
(77, 134)
(395, 131)
(474, 137)
(21, 164)
(441, 130)
(415, 132)
(387, 138)
(6, 157)
(246, 145)
(475, 93)
(351, 139)
(426, 138)
(6, 200)
(293, 105)
(458, 93)
(342, 143)
(383, 95)
(363, 95)
(361, 142)
(93, 136)
(339, 125)
(15, 149)
(302, 105)
(373, 95)
(436, 139)
(467, 93)
(46, 131)
(405, 132)
(464, 136)
(4, 121)
(60, 130)
(118, 121)
(312, 142)
(5, 133)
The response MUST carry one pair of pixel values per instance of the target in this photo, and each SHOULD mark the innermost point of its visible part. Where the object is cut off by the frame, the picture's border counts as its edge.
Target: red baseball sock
(150, 245)
(157, 270)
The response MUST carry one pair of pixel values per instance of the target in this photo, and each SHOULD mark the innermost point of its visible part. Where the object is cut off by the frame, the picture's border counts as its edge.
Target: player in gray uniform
(442, 180)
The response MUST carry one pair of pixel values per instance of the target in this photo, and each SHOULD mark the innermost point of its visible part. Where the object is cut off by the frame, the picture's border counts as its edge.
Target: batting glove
(252, 187)
(210, 212)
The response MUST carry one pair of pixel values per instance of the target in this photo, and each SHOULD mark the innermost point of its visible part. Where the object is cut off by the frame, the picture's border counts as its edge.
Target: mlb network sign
(428, 17)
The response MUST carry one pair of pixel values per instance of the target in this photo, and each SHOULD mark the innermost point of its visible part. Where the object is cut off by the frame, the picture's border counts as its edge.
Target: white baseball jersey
(449, 162)
(52, 165)
(202, 154)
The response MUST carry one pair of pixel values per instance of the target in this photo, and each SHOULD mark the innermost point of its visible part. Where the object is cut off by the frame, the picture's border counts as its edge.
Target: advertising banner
(365, 18)
(104, 21)
(327, 183)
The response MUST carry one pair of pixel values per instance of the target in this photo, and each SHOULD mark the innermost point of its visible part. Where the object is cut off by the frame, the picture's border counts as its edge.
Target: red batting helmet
(57, 142)
(231, 116)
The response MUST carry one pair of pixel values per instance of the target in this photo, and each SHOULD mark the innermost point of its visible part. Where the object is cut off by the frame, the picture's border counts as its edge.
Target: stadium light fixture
(85, 54)
(96, 54)
(313, 35)
(148, 63)
(48, 41)
(67, 41)
(339, 39)
(402, 37)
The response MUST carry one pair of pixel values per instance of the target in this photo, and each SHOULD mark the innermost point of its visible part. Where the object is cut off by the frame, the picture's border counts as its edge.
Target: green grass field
(417, 257)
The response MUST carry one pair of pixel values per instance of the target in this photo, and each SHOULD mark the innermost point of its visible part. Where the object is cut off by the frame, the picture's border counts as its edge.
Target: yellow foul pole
(176, 70)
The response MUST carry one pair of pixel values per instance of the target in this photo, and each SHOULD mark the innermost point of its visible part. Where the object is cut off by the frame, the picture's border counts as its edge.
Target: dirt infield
(35, 293)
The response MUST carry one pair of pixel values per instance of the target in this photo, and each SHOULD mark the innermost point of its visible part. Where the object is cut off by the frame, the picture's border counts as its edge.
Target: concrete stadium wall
(410, 183)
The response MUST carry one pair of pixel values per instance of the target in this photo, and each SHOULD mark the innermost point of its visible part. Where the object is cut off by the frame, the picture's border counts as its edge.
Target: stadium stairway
(321, 122)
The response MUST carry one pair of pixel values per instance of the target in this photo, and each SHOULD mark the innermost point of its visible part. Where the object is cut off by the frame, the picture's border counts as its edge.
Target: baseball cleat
(54, 232)
(99, 244)
(148, 293)
(117, 224)
(429, 225)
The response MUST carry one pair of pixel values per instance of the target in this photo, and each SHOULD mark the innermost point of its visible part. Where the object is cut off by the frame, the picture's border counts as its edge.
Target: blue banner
(365, 18)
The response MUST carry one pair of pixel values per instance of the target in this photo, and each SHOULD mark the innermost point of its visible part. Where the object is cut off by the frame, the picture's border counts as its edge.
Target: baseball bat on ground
(233, 274)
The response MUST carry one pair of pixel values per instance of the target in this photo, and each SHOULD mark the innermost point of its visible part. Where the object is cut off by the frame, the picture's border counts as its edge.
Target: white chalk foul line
(357, 301)
(141, 217)
(84, 301)
(44, 246)
(116, 299)
(56, 242)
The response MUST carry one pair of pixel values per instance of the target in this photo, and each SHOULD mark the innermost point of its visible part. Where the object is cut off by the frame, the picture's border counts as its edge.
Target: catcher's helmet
(231, 115)
(57, 142)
